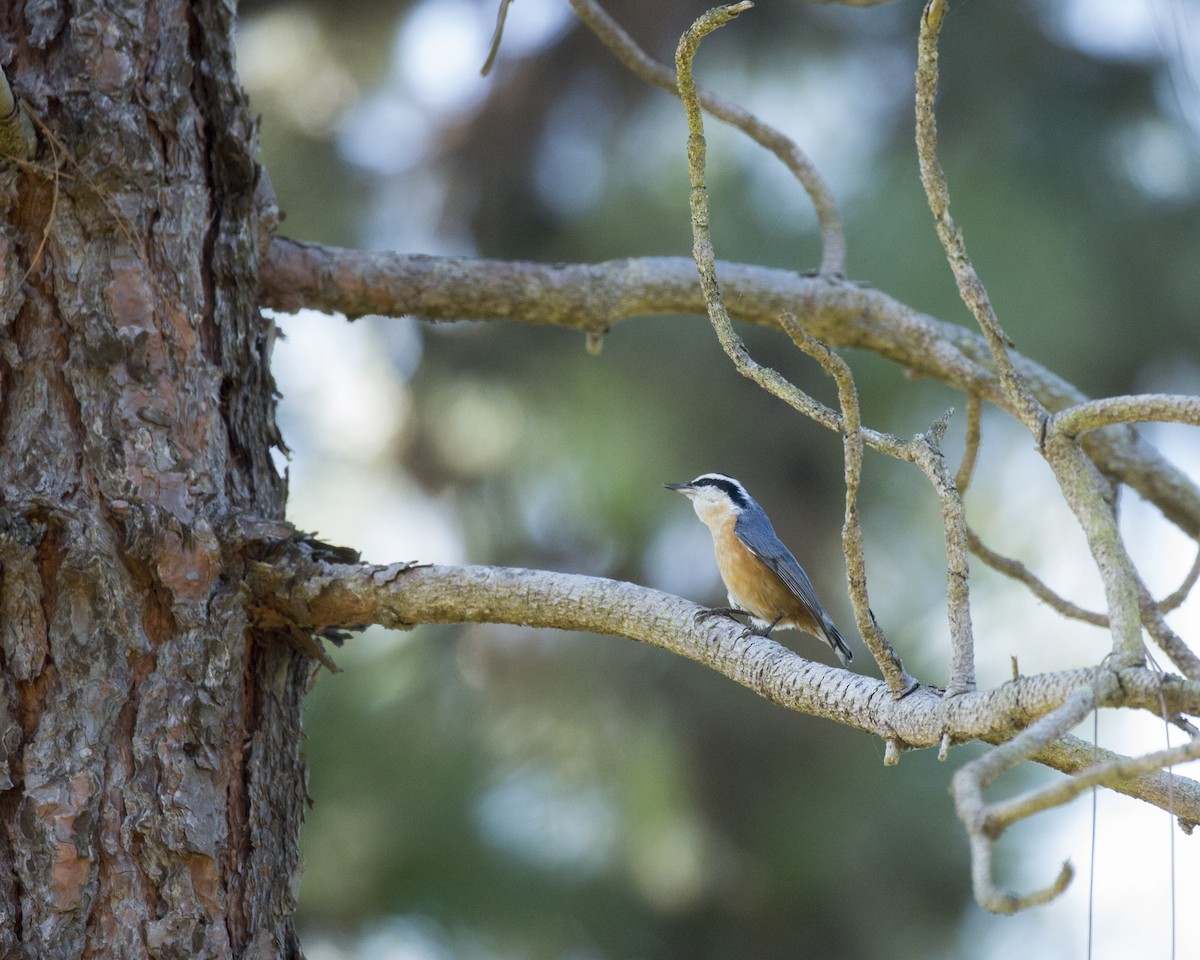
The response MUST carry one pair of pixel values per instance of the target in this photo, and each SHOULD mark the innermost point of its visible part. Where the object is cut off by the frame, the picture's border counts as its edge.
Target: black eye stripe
(732, 490)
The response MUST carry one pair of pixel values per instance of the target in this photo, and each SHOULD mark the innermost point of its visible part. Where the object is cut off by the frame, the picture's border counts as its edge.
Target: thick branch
(1074, 755)
(310, 595)
(593, 297)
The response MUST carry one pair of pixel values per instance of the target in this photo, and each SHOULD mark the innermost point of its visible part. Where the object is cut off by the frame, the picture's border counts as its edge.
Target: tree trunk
(151, 785)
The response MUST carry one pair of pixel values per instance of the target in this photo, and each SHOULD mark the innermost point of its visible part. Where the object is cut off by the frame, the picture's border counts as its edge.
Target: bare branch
(1146, 407)
(1074, 755)
(962, 479)
(1082, 486)
(593, 297)
(1167, 639)
(1003, 814)
(970, 780)
(833, 238)
(1175, 599)
(1021, 573)
(898, 679)
(497, 36)
(295, 590)
(927, 454)
(970, 288)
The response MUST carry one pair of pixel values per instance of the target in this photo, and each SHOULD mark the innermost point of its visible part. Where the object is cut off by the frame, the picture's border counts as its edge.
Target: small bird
(764, 580)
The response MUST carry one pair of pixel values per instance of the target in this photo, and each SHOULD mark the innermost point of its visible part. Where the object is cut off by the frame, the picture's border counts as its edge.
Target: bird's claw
(701, 615)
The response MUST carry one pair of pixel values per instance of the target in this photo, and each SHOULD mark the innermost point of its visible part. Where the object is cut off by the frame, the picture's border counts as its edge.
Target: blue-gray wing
(760, 538)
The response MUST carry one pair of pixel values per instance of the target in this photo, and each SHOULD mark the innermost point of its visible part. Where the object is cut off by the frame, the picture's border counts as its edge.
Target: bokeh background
(493, 792)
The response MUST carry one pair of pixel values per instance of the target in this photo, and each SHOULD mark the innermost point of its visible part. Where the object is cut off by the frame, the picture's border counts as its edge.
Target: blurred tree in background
(495, 792)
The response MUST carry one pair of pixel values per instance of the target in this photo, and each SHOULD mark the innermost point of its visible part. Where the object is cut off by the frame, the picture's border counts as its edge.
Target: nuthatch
(763, 578)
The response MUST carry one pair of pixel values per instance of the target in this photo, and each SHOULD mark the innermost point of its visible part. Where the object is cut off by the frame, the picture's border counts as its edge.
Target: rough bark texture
(150, 781)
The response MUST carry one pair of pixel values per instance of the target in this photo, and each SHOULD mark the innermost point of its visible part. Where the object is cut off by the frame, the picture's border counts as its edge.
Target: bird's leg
(766, 631)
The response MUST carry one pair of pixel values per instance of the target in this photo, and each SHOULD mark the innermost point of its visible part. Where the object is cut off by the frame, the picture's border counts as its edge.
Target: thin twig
(1173, 600)
(1142, 408)
(705, 258)
(52, 214)
(969, 782)
(933, 179)
(1152, 613)
(971, 451)
(1073, 755)
(1021, 573)
(900, 682)
(497, 36)
(1004, 813)
(1167, 639)
(927, 454)
(833, 237)
(1083, 488)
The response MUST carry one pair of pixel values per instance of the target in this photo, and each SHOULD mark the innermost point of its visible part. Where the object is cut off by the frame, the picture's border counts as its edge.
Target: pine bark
(151, 785)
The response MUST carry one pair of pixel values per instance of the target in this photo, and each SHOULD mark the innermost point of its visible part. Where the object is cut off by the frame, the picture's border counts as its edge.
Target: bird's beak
(678, 487)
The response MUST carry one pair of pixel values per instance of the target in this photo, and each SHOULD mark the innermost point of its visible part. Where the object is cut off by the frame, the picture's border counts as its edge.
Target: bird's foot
(730, 612)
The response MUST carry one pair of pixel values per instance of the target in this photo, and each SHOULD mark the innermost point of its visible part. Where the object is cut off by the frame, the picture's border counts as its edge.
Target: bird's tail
(834, 639)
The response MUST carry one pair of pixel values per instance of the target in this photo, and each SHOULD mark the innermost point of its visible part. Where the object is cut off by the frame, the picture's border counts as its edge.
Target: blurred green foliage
(511, 794)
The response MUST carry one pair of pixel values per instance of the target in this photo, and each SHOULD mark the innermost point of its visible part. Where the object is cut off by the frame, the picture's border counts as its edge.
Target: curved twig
(1142, 408)
(966, 468)
(829, 221)
(970, 780)
(1082, 486)
(899, 680)
(1022, 574)
(1176, 598)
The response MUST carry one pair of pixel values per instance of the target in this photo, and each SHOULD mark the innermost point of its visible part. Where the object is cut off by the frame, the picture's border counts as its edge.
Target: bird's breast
(753, 586)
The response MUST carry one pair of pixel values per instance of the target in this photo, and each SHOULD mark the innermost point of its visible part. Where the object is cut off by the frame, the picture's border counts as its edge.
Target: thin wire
(1095, 803)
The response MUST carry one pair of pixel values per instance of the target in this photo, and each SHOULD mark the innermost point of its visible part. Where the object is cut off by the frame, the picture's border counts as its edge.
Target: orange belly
(753, 587)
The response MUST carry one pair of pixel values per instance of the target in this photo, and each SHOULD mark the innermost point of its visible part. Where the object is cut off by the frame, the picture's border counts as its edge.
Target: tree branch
(292, 589)
(927, 454)
(899, 680)
(1146, 407)
(593, 297)
(970, 780)
(1081, 484)
(1003, 814)
(833, 238)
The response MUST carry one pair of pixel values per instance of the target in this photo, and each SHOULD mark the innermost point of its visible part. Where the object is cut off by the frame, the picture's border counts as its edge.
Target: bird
(765, 582)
